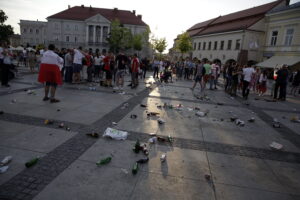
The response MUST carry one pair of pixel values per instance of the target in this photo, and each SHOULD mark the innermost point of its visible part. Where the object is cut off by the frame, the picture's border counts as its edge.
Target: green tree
(184, 43)
(5, 30)
(159, 44)
(120, 37)
(137, 42)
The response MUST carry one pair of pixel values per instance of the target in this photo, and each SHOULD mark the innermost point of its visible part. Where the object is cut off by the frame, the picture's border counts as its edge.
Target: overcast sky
(166, 18)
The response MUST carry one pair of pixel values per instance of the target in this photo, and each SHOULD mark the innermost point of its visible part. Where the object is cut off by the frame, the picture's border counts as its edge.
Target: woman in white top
(263, 83)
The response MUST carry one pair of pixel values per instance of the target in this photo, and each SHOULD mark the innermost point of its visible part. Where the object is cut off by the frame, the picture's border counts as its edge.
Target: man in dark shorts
(77, 64)
(121, 66)
(200, 71)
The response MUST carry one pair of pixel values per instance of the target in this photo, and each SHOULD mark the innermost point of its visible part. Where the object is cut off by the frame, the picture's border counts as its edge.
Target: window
(209, 45)
(55, 38)
(274, 38)
(238, 44)
(215, 45)
(204, 45)
(76, 27)
(67, 39)
(199, 45)
(67, 27)
(24, 30)
(30, 30)
(75, 39)
(224, 57)
(289, 37)
(222, 45)
(37, 40)
(37, 31)
(195, 46)
(229, 44)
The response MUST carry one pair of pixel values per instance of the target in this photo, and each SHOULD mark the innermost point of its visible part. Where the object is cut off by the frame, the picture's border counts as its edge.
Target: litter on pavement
(115, 134)
(276, 146)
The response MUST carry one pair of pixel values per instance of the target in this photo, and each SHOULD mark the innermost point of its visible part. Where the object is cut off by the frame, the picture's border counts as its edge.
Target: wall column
(94, 35)
(101, 34)
(87, 34)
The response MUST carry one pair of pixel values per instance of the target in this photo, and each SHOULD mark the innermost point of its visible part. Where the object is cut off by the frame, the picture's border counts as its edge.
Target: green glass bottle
(135, 168)
(32, 162)
(137, 147)
(103, 161)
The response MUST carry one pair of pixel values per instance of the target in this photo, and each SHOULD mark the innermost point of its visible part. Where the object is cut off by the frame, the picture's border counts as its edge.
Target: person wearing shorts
(200, 70)
(77, 64)
(121, 60)
(49, 73)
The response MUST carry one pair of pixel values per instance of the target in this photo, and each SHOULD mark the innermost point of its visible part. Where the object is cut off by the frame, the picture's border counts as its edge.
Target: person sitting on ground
(49, 73)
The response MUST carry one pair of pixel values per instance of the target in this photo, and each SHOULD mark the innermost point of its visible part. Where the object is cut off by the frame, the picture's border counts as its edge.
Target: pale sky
(166, 18)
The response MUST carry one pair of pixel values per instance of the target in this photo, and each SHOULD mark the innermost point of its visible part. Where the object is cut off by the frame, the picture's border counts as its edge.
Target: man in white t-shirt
(77, 64)
(247, 72)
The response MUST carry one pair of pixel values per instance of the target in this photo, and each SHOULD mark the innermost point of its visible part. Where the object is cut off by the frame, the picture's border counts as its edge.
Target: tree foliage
(5, 30)
(159, 44)
(137, 42)
(120, 37)
(184, 43)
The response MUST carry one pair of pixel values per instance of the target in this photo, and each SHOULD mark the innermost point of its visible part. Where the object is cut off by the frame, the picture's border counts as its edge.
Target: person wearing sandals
(49, 73)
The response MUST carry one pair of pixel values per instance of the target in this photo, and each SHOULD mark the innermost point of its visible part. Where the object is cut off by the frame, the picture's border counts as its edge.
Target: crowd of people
(75, 66)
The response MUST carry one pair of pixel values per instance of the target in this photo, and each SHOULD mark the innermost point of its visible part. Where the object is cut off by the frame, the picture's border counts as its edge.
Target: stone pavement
(238, 159)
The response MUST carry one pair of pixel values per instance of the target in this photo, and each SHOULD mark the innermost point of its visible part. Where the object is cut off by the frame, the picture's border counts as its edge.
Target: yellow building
(282, 39)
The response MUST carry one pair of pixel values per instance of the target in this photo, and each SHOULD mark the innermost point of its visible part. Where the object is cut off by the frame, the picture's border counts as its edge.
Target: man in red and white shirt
(135, 64)
(51, 65)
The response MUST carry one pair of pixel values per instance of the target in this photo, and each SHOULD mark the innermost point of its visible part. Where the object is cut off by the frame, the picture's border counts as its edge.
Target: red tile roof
(82, 13)
(235, 21)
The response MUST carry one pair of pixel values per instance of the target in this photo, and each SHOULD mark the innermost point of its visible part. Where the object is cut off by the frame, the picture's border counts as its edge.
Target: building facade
(282, 39)
(33, 32)
(80, 26)
(238, 36)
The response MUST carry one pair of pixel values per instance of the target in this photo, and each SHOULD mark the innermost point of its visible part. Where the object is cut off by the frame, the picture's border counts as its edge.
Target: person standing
(68, 66)
(31, 60)
(121, 60)
(49, 74)
(263, 83)
(107, 69)
(207, 75)
(77, 64)
(156, 67)
(247, 72)
(200, 71)
(89, 64)
(281, 82)
(134, 71)
(5, 63)
(215, 70)
(97, 64)
(145, 64)
(296, 83)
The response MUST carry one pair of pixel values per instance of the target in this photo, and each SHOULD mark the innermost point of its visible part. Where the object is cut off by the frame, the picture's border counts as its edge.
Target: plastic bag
(115, 134)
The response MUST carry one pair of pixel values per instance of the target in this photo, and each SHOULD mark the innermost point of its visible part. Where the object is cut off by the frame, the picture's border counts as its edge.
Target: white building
(239, 36)
(79, 26)
(282, 44)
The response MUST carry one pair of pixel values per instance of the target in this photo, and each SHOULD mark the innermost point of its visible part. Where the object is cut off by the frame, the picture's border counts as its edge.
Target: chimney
(82, 6)
(115, 9)
(91, 7)
(139, 16)
(69, 6)
(133, 12)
